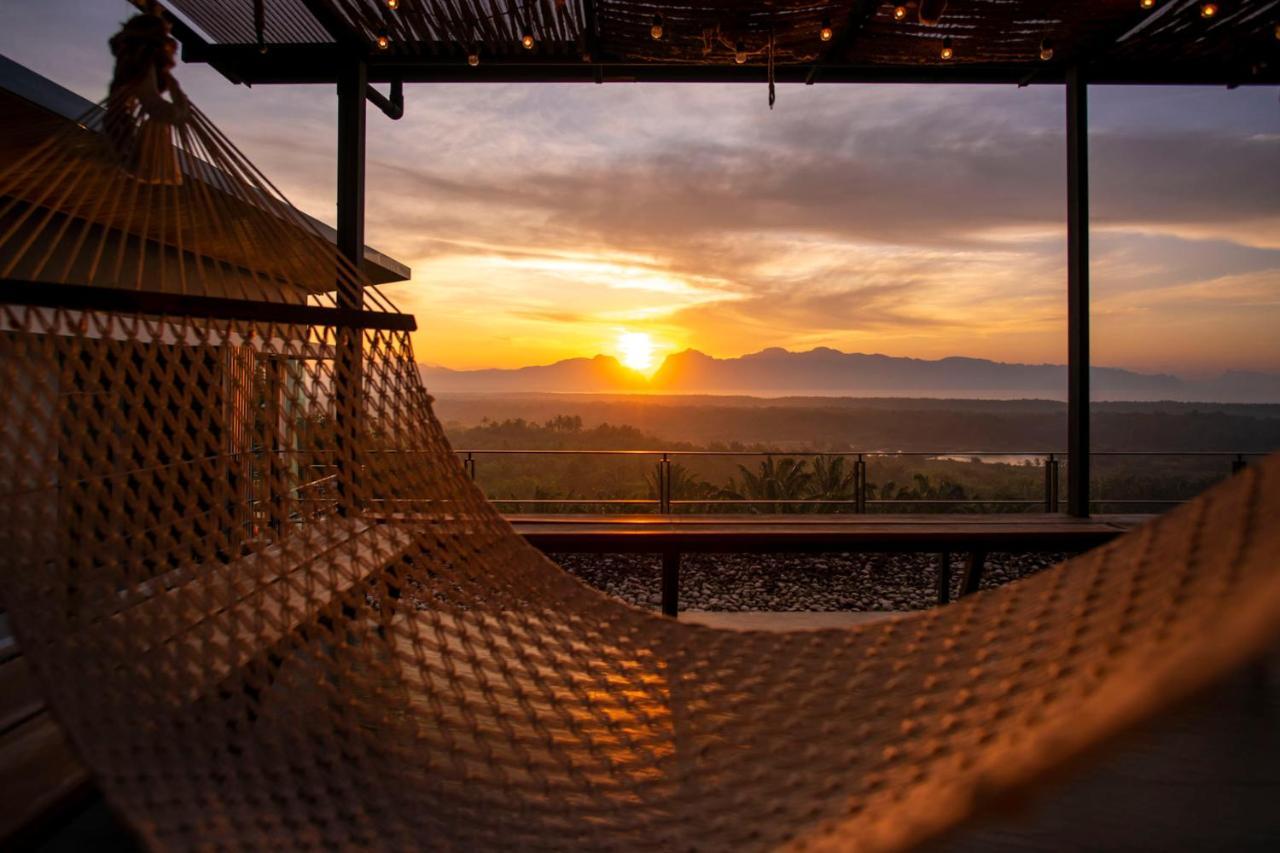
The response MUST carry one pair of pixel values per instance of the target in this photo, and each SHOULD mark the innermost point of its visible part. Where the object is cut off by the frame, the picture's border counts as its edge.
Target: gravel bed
(738, 582)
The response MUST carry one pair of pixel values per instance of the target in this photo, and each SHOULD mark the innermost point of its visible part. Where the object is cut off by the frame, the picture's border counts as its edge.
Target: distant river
(1000, 459)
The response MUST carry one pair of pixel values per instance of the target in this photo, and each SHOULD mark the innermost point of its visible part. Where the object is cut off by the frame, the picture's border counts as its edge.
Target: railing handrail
(860, 499)
(1044, 453)
(592, 452)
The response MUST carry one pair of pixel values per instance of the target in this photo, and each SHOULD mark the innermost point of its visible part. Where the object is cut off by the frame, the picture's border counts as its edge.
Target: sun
(635, 350)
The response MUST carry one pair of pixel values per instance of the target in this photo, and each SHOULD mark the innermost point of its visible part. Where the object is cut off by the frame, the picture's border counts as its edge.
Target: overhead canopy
(990, 41)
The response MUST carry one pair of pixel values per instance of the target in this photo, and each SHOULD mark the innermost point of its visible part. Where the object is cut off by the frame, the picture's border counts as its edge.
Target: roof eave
(318, 63)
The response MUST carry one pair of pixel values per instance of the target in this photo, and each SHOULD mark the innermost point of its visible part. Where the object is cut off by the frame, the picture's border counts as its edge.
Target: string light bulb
(473, 56)
(899, 13)
(1208, 10)
(826, 32)
(740, 53)
(947, 51)
(393, 4)
(384, 40)
(1046, 49)
(526, 39)
(656, 31)
(1147, 4)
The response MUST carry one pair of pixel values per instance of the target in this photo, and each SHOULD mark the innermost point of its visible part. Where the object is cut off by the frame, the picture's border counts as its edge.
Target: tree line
(789, 483)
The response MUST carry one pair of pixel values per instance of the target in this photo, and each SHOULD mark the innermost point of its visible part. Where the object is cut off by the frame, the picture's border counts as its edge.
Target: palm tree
(833, 479)
(783, 480)
(685, 484)
(925, 491)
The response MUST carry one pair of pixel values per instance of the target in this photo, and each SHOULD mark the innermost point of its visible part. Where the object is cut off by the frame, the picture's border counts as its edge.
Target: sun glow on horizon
(635, 350)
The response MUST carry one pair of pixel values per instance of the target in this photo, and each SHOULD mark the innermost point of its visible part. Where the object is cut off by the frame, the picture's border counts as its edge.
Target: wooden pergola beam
(318, 63)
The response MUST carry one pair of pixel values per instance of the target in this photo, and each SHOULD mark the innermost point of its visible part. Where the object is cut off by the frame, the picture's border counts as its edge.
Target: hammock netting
(269, 619)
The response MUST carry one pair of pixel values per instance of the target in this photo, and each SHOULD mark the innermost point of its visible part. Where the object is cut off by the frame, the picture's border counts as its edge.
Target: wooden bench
(673, 535)
(40, 774)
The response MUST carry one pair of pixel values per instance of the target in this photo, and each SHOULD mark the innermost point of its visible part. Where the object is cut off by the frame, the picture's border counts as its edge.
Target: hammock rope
(251, 647)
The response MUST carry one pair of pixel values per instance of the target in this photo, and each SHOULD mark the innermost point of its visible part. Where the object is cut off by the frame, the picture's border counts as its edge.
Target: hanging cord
(773, 95)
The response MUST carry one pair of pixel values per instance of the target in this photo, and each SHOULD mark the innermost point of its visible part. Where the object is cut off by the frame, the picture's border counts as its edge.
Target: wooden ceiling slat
(435, 21)
(231, 21)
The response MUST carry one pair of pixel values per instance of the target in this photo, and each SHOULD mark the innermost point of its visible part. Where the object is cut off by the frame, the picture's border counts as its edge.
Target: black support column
(352, 82)
(1077, 295)
(353, 79)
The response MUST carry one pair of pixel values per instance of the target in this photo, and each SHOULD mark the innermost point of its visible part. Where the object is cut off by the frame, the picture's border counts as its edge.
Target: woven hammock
(268, 622)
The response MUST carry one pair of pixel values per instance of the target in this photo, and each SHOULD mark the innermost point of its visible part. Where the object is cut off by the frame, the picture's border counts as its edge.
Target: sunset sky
(545, 222)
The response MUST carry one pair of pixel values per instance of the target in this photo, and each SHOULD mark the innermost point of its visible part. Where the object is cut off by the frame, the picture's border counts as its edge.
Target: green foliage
(781, 480)
(921, 491)
(857, 424)
(835, 478)
(685, 485)
(562, 432)
(827, 482)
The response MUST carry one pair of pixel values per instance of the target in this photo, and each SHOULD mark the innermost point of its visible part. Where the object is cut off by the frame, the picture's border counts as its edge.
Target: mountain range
(827, 372)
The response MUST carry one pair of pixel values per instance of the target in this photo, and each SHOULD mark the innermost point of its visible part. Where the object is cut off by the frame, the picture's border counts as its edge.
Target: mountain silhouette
(600, 375)
(827, 372)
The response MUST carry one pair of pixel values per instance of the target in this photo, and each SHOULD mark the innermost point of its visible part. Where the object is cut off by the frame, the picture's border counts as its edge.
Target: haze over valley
(825, 372)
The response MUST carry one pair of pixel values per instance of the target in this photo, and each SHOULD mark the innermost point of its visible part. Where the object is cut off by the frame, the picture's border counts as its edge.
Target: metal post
(352, 81)
(1077, 294)
(469, 465)
(860, 485)
(664, 485)
(1237, 464)
(1051, 483)
(670, 583)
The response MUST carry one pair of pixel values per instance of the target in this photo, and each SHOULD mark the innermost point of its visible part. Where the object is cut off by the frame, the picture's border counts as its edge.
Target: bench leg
(973, 573)
(944, 577)
(670, 583)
